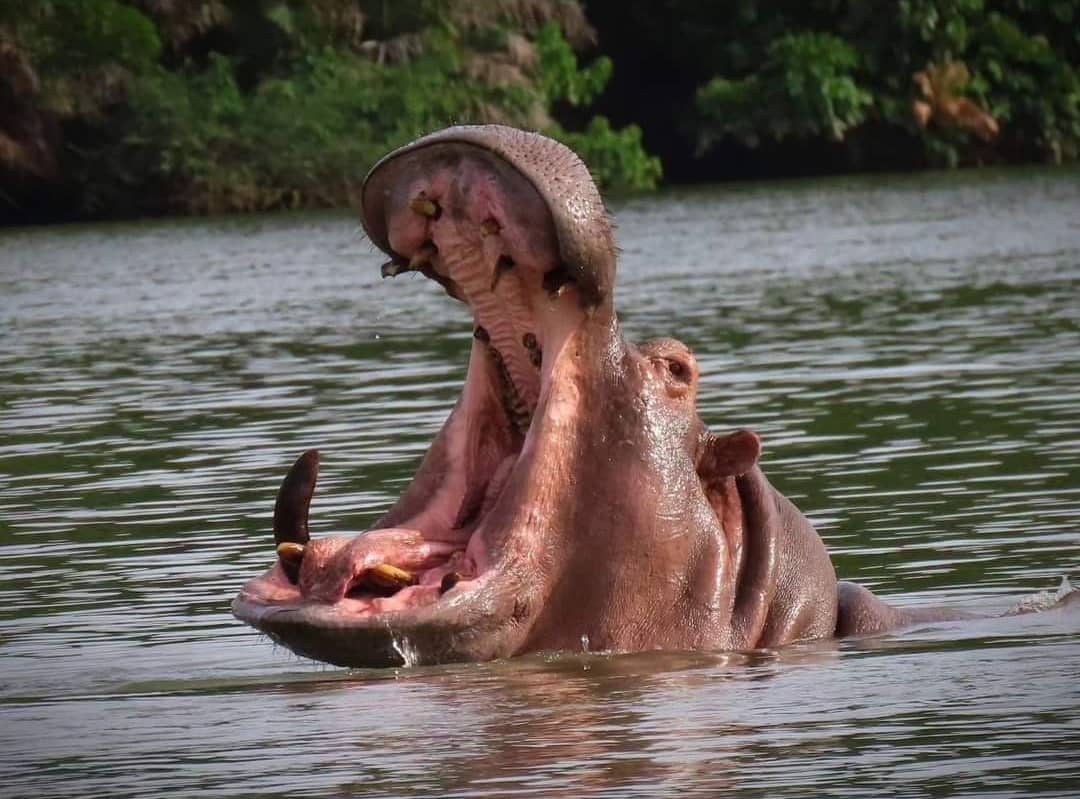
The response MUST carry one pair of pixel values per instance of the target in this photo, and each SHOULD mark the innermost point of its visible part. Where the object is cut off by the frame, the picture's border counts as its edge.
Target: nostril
(679, 370)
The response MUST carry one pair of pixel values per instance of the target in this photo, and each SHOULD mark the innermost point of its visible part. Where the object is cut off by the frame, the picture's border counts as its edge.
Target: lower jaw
(469, 624)
(318, 632)
(440, 561)
(427, 622)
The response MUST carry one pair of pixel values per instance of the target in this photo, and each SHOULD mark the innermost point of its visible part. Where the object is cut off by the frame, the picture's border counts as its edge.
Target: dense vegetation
(205, 105)
(787, 86)
(128, 107)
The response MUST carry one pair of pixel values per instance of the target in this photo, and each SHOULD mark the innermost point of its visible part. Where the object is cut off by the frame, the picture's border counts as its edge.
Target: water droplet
(1042, 600)
(409, 655)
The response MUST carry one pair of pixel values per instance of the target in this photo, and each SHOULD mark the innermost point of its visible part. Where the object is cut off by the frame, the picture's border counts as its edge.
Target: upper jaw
(511, 224)
(550, 190)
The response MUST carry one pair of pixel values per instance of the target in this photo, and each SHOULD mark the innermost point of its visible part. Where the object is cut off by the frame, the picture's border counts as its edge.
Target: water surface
(908, 348)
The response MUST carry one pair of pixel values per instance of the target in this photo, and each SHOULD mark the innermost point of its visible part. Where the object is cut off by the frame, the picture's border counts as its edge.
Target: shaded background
(121, 108)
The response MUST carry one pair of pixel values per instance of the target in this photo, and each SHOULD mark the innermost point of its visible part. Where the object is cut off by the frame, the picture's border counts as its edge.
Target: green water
(908, 348)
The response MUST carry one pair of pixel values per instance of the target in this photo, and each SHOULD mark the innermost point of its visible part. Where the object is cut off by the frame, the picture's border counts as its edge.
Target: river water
(908, 348)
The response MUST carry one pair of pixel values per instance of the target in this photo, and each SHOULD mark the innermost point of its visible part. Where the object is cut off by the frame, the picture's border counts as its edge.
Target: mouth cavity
(478, 235)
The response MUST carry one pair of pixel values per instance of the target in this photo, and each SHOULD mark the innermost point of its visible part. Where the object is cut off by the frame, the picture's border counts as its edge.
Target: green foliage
(805, 87)
(67, 35)
(560, 76)
(296, 140)
(1033, 90)
(767, 83)
(82, 49)
(307, 137)
(249, 104)
(616, 158)
(388, 18)
(943, 25)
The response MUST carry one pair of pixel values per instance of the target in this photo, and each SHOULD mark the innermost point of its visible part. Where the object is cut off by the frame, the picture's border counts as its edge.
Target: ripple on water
(906, 348)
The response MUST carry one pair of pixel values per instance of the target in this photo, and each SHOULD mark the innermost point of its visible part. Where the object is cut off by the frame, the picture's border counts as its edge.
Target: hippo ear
(732, 455)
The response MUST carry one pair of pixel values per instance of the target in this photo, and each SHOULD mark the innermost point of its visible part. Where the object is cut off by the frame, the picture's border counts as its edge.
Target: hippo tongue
(379, 563)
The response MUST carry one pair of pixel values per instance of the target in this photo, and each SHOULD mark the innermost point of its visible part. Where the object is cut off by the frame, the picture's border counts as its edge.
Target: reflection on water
(908, 349)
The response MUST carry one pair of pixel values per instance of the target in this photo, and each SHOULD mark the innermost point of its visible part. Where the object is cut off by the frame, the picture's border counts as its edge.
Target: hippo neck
(585, 517)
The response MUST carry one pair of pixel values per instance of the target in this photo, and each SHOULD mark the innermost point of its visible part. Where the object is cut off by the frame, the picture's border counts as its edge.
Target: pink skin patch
(477, 231)
(334, 567)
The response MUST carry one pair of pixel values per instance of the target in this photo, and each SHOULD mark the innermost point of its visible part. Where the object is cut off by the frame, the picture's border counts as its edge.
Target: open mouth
(464, 217)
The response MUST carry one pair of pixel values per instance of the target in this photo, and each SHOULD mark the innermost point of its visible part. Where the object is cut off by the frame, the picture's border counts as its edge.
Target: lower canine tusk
(389, 577)
(294, 499)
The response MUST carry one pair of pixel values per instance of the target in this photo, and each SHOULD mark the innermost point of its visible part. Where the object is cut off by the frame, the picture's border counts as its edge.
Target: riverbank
(130, 108)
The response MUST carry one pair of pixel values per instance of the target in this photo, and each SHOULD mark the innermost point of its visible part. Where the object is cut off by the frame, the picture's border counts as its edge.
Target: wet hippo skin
(574, 494)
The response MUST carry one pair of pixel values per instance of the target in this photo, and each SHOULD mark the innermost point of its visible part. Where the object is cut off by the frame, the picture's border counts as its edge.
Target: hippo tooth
(425, 207)
(555, 281)
(290, 551)
(389, 577)
(449, 580)
(394, 268)
(489, 227)
(291, 555)
(422, 257)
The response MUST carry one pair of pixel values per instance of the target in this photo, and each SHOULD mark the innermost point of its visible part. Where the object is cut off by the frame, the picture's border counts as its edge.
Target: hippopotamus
(574, 497)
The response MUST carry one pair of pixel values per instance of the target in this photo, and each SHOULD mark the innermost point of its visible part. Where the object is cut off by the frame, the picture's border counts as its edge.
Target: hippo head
(573, 497)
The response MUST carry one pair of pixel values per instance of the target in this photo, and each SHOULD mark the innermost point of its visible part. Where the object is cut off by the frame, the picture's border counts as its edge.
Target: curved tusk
(294, 499)
(291, 513)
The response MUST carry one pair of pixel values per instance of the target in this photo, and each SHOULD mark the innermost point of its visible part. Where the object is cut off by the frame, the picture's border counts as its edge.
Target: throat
(516, 374)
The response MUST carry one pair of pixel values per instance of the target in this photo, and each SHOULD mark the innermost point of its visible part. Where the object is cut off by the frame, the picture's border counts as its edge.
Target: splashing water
(410, 656)
(1043, 600)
